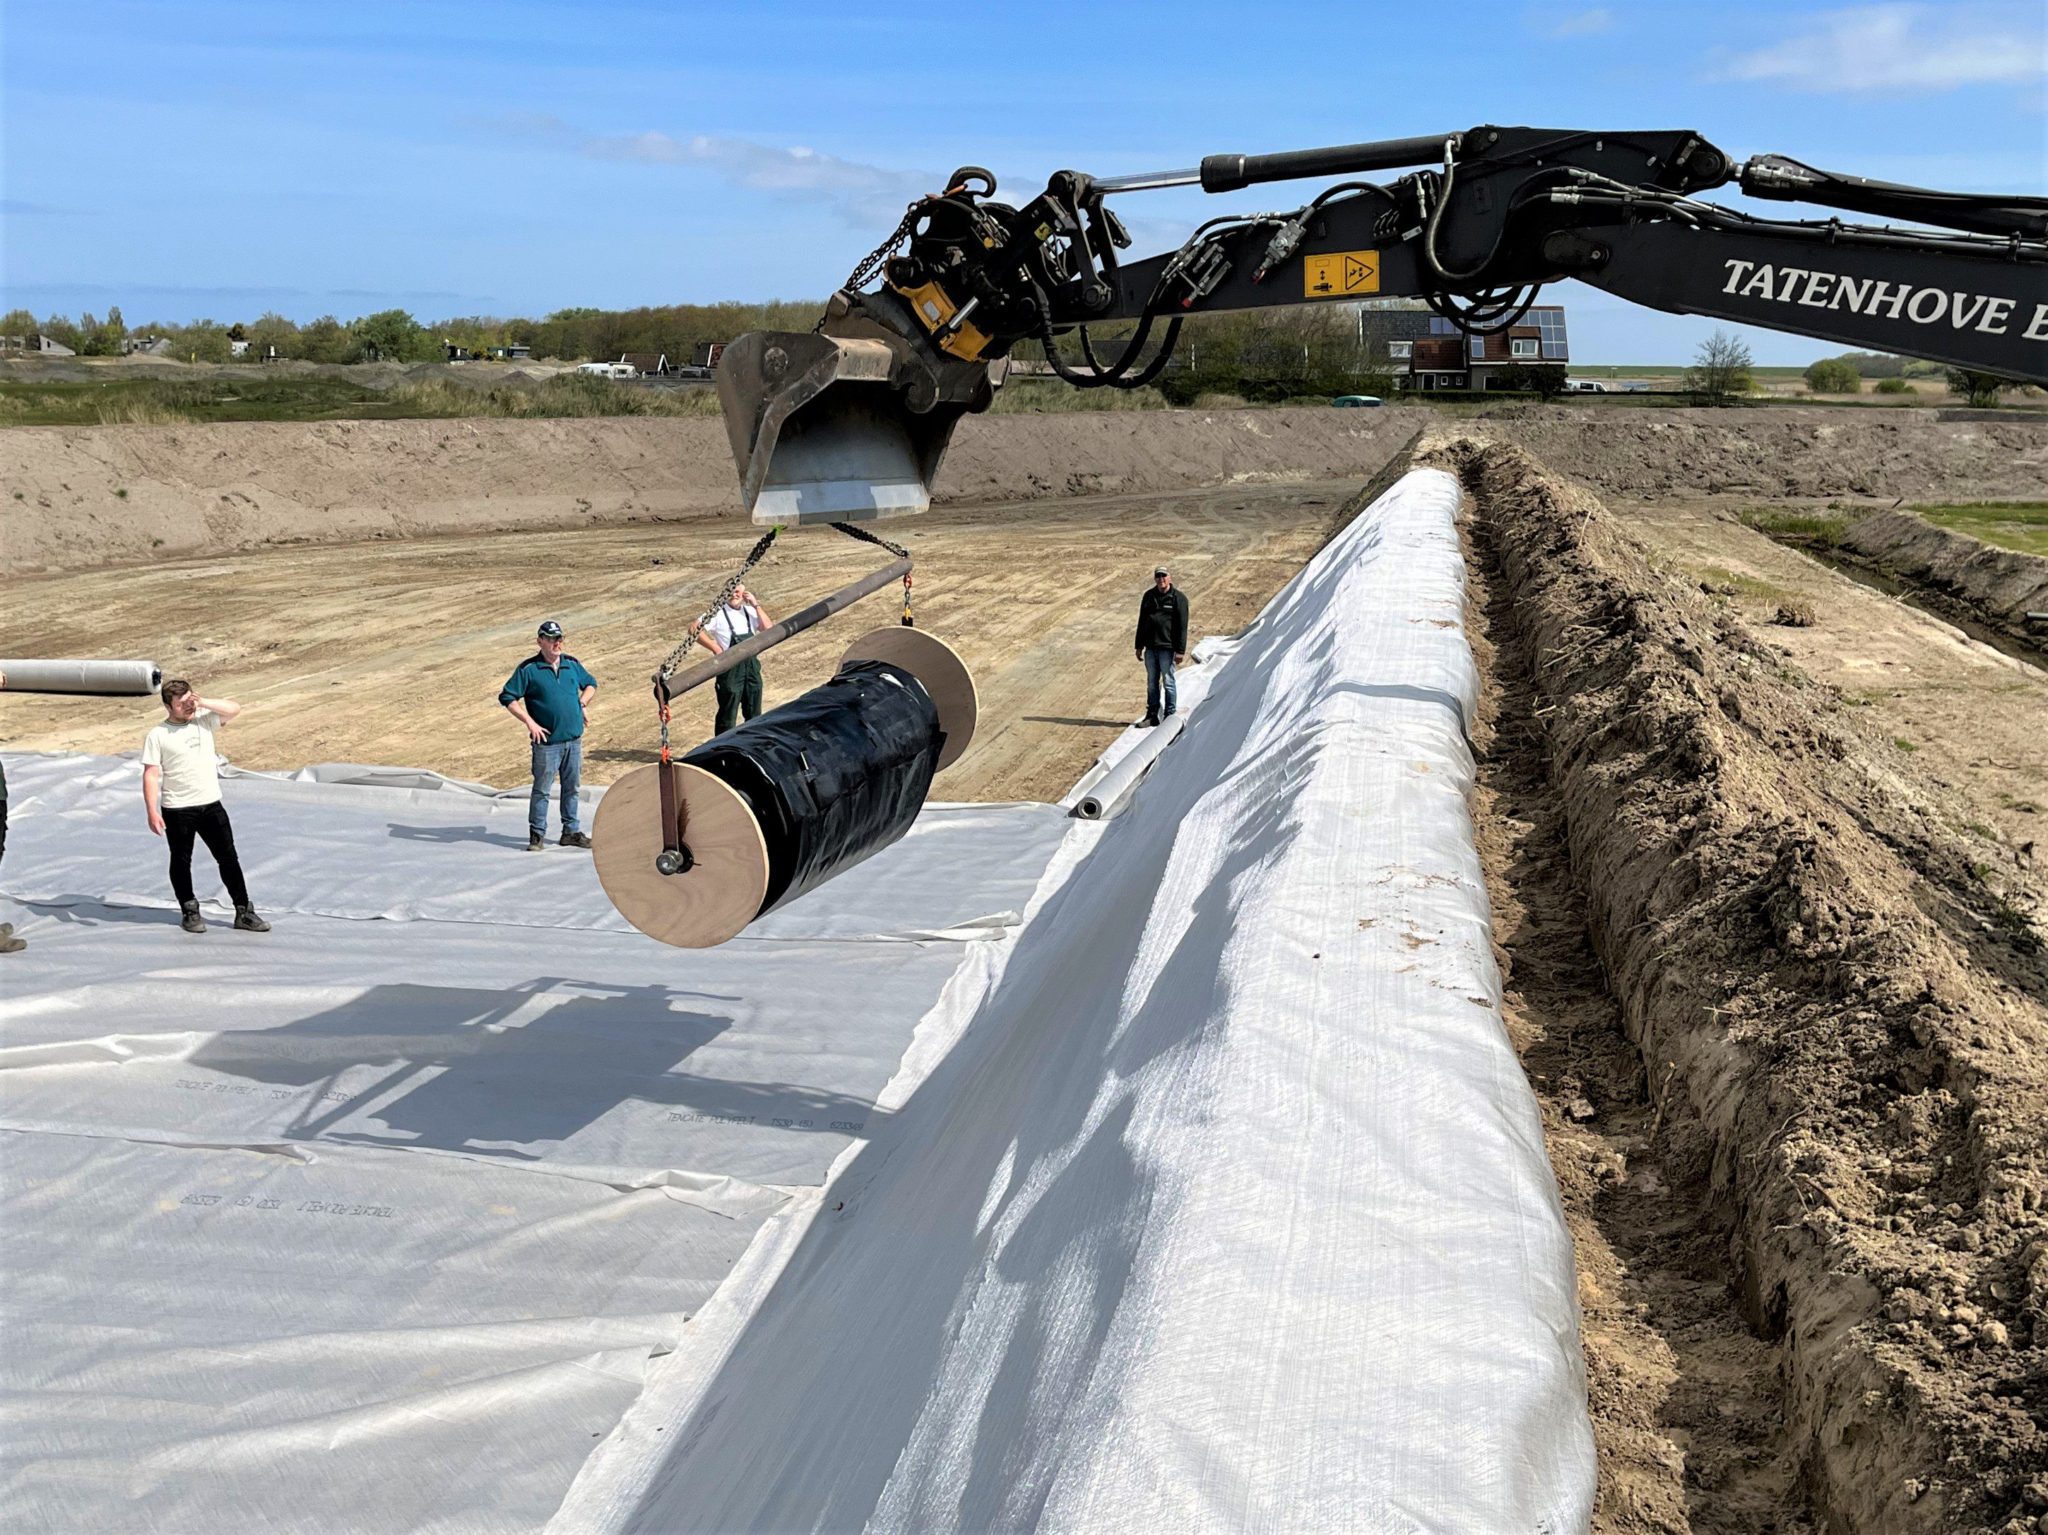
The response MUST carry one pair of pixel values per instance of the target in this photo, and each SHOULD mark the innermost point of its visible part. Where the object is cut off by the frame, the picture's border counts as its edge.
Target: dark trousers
(739, 694)
(209, 823)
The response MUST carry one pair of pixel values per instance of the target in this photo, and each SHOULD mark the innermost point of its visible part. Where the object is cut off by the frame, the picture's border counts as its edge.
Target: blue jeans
(549, 759)
(1159, 688)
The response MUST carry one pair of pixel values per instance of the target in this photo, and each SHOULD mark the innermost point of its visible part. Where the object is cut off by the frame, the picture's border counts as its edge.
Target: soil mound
(81, 497)
(1788, 452)
(1839, 989)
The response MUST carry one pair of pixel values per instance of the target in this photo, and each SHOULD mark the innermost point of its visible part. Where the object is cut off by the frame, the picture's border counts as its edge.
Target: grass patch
(2021, 526)
(326, 397)
(1036, 396)
(1905, 745)
(1722, 581)
(1822, 528)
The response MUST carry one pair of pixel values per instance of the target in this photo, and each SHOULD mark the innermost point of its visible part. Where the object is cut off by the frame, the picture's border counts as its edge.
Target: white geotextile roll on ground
(1109, 793)
(1231, 1210)
(116, 679)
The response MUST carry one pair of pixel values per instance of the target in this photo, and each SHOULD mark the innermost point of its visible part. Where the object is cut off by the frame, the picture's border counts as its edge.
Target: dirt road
(394, 652)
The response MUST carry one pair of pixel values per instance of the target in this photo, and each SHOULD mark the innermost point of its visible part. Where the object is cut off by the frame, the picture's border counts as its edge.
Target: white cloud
(871, 196)
(1902, 47)
(1577, 24)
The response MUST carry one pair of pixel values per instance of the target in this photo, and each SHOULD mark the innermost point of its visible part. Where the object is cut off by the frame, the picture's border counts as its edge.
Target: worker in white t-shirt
(739, 690)
(181, 792)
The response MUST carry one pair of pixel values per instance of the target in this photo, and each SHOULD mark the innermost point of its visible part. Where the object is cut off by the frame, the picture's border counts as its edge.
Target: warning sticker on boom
(1340, 274)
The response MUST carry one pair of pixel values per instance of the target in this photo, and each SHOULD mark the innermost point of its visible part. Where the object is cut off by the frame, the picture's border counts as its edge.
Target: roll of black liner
(833, 776)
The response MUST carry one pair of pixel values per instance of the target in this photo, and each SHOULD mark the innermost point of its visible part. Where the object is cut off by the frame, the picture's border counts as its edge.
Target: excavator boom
(852, 421)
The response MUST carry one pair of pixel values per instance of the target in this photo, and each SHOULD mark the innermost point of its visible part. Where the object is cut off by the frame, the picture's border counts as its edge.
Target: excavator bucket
(822, 427)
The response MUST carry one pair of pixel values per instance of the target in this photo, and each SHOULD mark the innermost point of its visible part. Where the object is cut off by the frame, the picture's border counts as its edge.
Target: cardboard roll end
(717, 895)
(941, 672)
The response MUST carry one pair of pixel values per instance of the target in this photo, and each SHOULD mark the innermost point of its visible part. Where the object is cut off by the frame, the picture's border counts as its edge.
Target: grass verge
(2021, 526)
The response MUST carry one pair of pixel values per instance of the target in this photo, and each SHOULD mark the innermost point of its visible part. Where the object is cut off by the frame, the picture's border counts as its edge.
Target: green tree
(272, 330)
(1720, 370)
(327, 340)
(1833, 375)
(60, 330)
(90, 342)
(18, 322)
(201, 341)
(113, 332)
(392, 335)
(1980, 389)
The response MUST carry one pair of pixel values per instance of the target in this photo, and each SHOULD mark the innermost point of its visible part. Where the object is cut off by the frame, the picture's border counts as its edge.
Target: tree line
(394, 335)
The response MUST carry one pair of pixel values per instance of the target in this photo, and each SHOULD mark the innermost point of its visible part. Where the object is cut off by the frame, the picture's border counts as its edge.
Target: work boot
(9, 944)
(1149, 721)
(535, 841)
(575, 839)
(246, 921)
(193, 923)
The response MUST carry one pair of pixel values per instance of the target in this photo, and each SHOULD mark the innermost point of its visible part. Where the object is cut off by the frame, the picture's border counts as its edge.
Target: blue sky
(215, 158)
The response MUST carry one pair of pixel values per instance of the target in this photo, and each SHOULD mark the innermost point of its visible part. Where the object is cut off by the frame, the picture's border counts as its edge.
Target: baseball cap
(551, 630)
(1161, 570)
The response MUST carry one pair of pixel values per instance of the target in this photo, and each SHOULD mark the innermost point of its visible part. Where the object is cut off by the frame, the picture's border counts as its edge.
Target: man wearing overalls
(739, 690)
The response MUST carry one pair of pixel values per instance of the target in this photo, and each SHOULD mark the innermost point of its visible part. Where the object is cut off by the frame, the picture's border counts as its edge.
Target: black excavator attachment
(851, 421)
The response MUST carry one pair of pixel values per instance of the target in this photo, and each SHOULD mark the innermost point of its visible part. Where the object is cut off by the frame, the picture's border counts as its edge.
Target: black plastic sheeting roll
(834, 776)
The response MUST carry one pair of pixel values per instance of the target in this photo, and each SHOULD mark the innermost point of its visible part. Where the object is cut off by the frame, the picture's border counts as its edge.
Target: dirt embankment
(74, 498)
(1833, 1000)
(1784, 452)
(1995, 586)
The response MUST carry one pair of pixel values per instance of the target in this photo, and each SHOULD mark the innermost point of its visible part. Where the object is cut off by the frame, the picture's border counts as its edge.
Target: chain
(675, 657)
(901, 553)
(871, 263)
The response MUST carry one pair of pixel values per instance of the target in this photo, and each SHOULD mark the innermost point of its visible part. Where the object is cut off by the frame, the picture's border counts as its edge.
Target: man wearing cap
(547, 694)
(1162, 641)
(739, 690)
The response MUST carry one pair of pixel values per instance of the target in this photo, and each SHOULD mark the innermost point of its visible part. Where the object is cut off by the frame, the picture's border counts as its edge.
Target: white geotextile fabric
(382, 1225)
(1209, 1196)
(1231, 1209)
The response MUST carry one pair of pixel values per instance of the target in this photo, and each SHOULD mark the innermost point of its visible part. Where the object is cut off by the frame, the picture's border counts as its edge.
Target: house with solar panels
(1434, 354)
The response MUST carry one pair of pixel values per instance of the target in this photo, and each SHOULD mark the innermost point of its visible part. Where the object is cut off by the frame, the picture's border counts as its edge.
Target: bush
(1543, 379)
(1834, 375)
(1982, 389)
(1893, 386)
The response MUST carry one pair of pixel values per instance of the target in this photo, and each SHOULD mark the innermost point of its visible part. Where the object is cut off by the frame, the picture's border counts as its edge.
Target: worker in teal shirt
(547, 694)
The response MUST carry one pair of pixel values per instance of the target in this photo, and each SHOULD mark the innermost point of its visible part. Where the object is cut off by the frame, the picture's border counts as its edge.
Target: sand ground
(394, 652)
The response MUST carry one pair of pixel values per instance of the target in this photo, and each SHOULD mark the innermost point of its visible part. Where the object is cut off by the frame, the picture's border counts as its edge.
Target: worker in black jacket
(1162, 641)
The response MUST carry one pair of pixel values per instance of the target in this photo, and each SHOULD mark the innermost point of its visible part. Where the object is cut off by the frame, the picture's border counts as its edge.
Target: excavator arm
(851, 421)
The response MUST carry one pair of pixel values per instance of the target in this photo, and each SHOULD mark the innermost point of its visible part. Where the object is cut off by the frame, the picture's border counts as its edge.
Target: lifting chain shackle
(901, 553)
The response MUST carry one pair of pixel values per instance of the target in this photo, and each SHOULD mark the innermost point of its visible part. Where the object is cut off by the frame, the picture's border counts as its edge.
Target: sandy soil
(1967, 715)
(1810, 1202)
(74, 498)
(1775, 452)
(394, 652)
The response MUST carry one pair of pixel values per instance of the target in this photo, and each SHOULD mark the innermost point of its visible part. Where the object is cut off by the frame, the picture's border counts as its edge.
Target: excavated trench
(1791, 1036)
